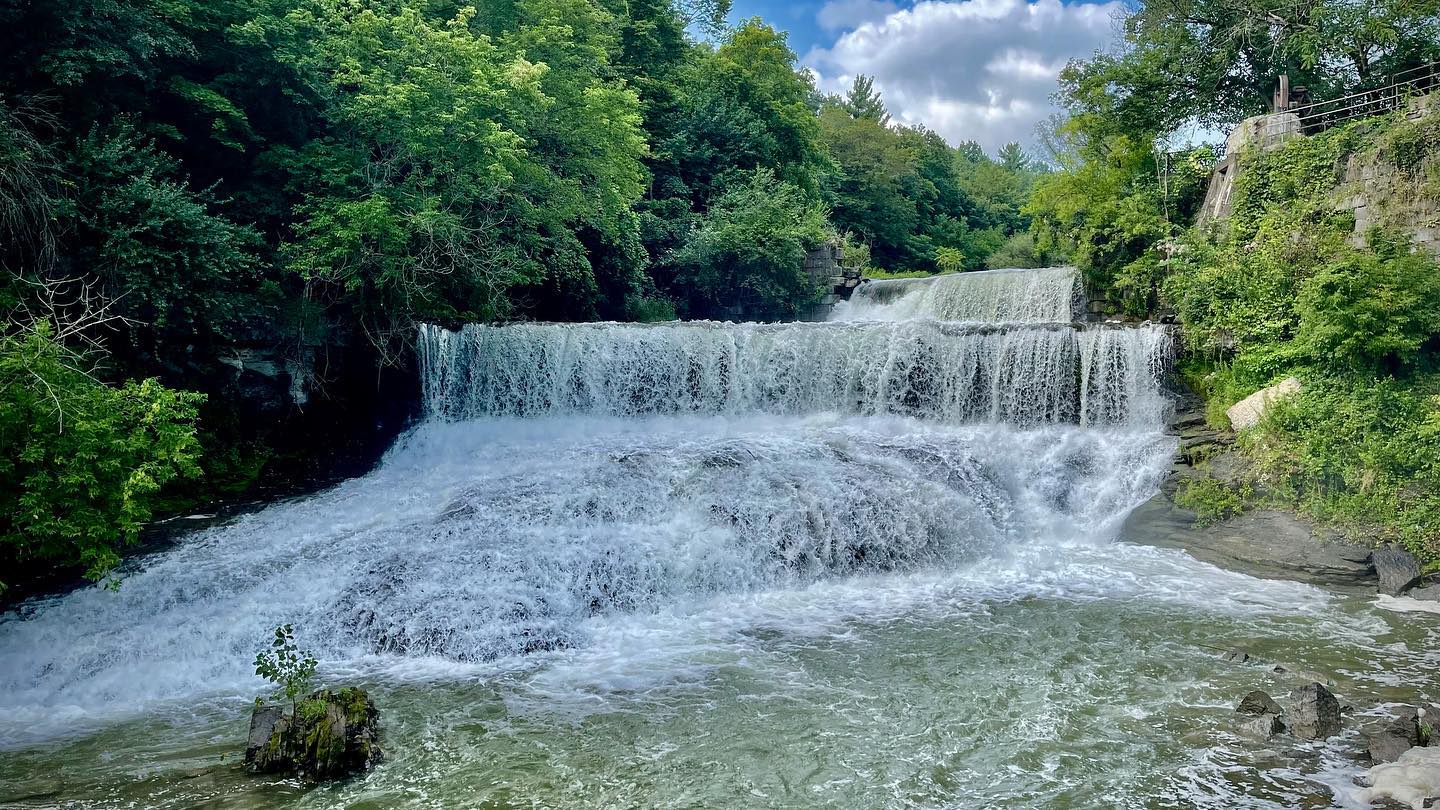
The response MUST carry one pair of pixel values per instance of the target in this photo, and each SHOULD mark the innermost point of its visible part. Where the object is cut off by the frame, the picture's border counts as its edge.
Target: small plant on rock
(287, 666)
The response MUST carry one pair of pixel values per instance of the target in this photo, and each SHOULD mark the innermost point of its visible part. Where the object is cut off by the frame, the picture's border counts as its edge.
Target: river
(863, 563)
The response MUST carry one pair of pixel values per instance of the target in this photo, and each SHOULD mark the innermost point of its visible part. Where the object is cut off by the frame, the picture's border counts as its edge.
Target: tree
(750, 248)
(950, 259)
(460, 175)
(864, 101)
(84, 461)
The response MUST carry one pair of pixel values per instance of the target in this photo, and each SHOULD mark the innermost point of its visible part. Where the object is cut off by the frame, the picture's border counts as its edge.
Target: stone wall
(826, 268)
(1373, 189)
(1378, 192)
(1264, 132)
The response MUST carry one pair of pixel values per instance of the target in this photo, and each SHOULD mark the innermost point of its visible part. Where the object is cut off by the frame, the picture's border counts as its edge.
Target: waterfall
(956, 373)
(570, 474)
(1051, 295)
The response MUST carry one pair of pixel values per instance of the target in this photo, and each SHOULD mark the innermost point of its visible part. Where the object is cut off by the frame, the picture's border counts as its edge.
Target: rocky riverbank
(1268, 541)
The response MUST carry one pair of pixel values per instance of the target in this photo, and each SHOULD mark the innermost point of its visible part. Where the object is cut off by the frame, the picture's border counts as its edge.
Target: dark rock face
(1257, 703)
(331, 735)
(1387, 741)
(1397, 569)
(1264, 543)
(1314, 712)
(262, 724)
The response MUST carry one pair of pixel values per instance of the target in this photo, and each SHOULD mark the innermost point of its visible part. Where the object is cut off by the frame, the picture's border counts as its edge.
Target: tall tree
(864, 101)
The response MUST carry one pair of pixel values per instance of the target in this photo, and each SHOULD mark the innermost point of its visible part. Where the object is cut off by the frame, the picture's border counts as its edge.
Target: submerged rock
(1398, 570)
(330, 735)
(1314, 712)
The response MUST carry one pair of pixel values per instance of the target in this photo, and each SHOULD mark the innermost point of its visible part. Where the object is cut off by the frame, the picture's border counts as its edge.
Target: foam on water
(482, 541)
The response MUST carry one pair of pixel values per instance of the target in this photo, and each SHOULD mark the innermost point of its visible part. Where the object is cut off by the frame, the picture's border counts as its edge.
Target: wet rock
(1427, 590)
(1263, 726)
(262, 725)
(1257, 703)
(1386, 741)
(329, 736)
(1314, 712)
(1238, 657)
(1264, 543)
(1398, 570)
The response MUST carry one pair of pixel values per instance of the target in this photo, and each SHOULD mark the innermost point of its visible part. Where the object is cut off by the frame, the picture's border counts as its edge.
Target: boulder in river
(1263, 726)
(1387, 741)
(1258, 702)
(1314, 712)
(330, 735)
(1398, 569)
(1263, 715)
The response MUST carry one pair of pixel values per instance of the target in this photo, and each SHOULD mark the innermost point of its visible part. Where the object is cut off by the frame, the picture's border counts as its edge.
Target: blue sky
(981, 70)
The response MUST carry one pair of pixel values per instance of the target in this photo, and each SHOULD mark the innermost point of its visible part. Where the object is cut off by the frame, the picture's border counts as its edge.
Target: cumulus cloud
(980, 70)
(847, 14)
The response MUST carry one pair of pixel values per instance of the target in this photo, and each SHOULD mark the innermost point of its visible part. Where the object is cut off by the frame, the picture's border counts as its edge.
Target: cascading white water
(952, 373)
(1051, 295)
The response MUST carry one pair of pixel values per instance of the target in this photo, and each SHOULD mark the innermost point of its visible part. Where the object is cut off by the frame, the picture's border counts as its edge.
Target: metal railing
(1388, 97)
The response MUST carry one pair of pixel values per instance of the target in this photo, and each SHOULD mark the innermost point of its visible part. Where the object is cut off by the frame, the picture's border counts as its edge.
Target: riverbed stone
(330, 735)
(1314, 712)
(1258, 702)
(1398, 569)
(1263, 726)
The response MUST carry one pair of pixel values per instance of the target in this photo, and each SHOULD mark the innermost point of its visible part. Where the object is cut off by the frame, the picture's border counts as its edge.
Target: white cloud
(981, 70)
(846, 14)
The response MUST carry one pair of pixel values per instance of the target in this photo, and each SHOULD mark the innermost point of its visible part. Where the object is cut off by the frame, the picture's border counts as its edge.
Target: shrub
(291, 669)
(1371, 311)
(82, 461)
(751, 248)
(1211, 500)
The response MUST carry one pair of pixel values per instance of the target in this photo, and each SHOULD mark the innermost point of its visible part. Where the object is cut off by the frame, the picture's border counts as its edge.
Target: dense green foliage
(916, 201)
(1282, 286)
(82, 460)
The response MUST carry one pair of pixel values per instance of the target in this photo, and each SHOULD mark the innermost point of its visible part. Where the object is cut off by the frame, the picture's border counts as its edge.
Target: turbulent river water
(863, 563)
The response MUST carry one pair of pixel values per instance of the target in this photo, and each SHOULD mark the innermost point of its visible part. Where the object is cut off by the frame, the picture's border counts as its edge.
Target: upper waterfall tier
(934, 370)
(1049, 295)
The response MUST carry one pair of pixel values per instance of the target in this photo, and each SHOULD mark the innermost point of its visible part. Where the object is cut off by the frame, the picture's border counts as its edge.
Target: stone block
(1247, 412)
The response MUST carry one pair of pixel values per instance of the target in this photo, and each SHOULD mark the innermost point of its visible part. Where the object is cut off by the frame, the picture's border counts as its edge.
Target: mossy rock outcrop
(330, 735)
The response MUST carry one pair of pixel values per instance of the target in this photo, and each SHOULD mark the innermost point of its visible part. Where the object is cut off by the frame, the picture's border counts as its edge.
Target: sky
(980, 70)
